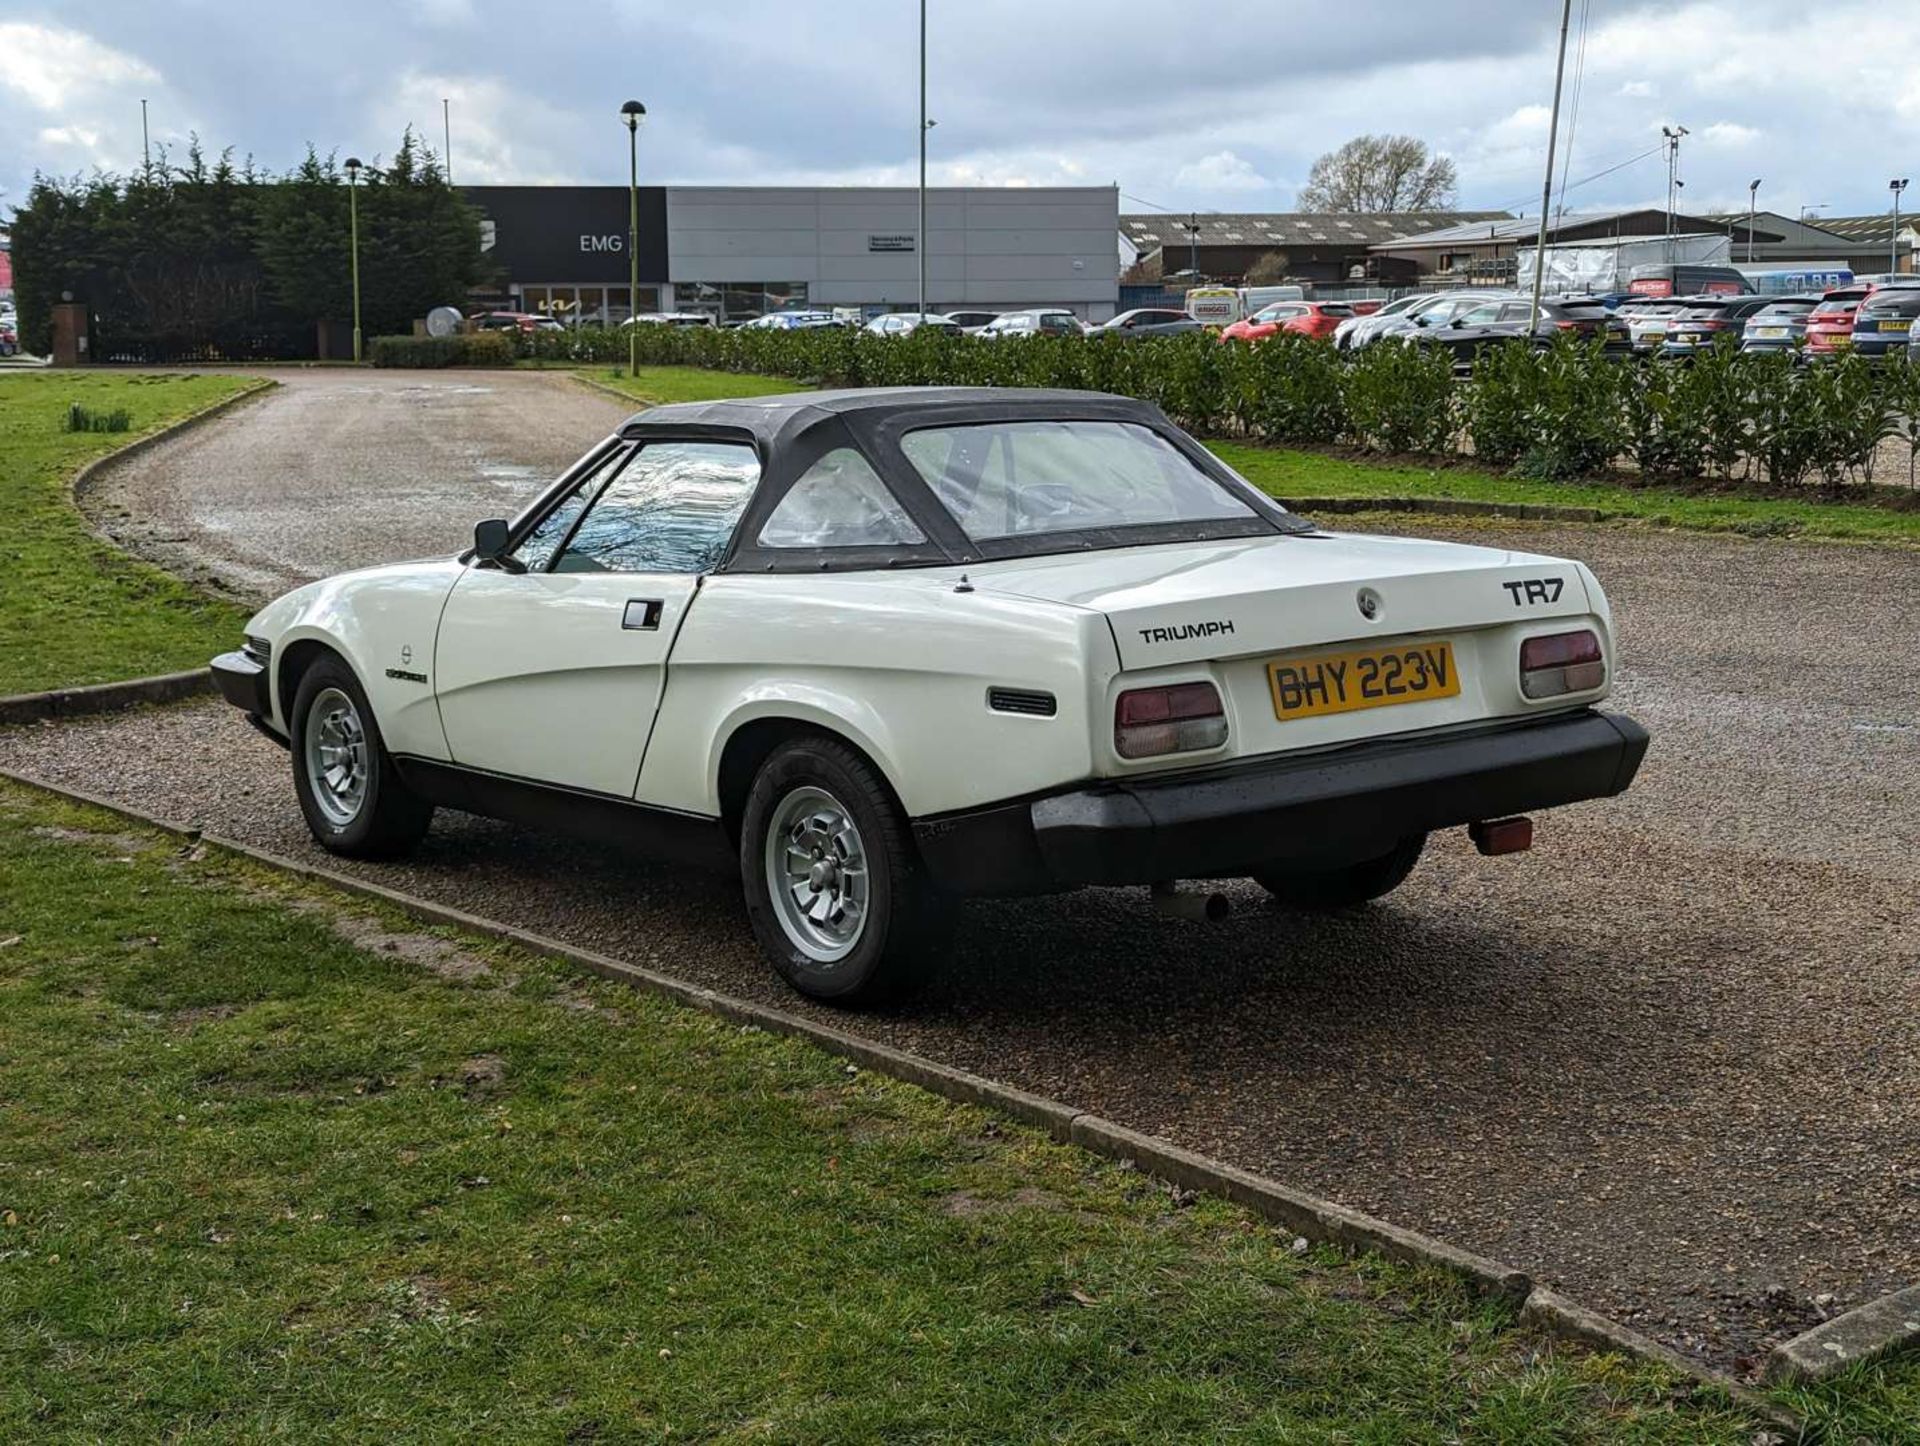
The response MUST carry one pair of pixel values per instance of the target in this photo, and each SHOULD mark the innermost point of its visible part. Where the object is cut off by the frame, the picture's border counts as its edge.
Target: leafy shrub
(1401, 399)
(1557, 412)
(82, 418)
(475, 349)
(1500, 403)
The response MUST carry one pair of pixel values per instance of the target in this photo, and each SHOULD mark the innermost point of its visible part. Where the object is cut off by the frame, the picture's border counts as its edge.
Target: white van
(1214, 305)
(1252, 298)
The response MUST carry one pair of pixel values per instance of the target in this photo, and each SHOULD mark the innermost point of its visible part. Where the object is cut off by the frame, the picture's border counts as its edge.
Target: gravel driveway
(336, 469)
(1669, 1061)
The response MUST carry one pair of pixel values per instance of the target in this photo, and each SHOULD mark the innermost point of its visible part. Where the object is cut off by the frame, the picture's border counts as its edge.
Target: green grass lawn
(73, 609)
(1302, 476)
(687, 384)
(273, 1166)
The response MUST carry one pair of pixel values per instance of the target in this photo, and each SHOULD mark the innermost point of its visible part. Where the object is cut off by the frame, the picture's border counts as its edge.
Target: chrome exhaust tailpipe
(1173, 903)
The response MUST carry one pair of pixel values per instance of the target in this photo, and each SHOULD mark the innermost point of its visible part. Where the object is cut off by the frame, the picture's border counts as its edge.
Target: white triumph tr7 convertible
(875, 649)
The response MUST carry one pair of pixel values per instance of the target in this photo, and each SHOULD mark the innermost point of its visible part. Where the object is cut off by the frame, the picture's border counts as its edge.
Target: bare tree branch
(1380, 173)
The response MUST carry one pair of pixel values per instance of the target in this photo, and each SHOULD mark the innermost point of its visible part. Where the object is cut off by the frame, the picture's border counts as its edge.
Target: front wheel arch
(292, 665)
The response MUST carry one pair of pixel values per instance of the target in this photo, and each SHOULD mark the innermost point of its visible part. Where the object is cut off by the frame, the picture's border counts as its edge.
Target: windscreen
(1020, 479)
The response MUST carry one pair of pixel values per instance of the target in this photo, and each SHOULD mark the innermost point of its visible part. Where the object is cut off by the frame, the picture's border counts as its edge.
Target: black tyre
(835, 890)
(1344, 887)
(349, 790)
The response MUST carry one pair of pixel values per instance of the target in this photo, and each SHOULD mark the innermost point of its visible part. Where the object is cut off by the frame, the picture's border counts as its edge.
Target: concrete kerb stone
(1551, 1313)
(1878, 1328)
(1309, 1216)
(82, 479)
(1449, 507)
(130, 692)
(104, 697)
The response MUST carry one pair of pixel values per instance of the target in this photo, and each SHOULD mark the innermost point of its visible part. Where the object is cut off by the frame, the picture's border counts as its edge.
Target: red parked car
(1830, 324)
(1307, 318)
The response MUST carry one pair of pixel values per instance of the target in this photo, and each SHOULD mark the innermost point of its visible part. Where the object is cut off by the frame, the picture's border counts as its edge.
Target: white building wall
(996, 248)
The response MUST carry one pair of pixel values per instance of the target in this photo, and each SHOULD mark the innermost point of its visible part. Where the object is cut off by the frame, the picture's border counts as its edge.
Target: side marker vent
(1022, 700)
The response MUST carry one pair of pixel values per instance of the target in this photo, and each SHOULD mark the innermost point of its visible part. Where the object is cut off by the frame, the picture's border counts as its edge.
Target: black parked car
(1495, 322)
(1884, 323)
(1696, 326)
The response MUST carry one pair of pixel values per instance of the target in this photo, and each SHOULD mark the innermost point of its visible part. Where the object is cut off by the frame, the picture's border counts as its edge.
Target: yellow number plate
(1306, 687)
(1896, 325)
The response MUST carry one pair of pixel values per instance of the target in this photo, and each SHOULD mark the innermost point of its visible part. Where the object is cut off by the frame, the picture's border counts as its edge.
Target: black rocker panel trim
(597, 817)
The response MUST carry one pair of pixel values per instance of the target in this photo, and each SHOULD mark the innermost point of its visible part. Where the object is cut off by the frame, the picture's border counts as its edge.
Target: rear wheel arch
(755, 741)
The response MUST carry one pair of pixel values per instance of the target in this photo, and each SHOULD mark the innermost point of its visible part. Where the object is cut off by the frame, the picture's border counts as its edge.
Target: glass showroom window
(743, 300)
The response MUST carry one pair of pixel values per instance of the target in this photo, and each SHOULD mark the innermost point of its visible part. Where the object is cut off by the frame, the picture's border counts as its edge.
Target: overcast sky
(1226, 112)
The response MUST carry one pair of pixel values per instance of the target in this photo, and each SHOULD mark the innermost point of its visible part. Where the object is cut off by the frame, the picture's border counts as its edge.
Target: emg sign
(615, 242)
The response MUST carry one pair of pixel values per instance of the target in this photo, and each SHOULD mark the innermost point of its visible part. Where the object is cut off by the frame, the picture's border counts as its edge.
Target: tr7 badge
(1536, 590)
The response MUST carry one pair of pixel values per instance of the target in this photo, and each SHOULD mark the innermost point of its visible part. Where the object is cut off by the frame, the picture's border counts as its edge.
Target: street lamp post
(920, 237)
(1893, 240)
(1546, 186)
(631, 112)
(1753, 196)
(1672, 134)
(353, 214)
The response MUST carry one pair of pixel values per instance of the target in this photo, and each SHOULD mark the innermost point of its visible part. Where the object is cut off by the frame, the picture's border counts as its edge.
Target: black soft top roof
(786, 415)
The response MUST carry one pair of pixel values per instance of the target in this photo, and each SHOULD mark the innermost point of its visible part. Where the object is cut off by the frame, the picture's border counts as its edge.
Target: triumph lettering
(1212, 629)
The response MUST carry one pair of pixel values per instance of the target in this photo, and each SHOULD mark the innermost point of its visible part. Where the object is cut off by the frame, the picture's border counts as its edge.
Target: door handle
(642, 614)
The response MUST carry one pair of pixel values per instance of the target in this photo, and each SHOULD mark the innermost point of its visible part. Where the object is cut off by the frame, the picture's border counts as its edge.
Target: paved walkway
(1669, 1061)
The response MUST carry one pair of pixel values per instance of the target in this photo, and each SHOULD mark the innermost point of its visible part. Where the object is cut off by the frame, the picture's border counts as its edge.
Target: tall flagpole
(1546, 189)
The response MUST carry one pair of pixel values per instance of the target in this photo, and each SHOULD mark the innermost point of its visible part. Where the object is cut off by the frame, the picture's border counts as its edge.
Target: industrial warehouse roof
(1802, 234)
(1288, 228)
(1862, 228)
(1639, 221)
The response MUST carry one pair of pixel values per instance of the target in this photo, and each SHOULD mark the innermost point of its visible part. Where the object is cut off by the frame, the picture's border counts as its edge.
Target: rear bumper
(1332, 808)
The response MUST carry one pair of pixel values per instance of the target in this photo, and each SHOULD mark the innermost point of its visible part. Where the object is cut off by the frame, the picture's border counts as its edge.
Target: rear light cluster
(1183, 718)
(1561, 663)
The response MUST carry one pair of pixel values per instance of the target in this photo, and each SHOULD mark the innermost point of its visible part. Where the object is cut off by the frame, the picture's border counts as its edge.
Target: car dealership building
(741, 251)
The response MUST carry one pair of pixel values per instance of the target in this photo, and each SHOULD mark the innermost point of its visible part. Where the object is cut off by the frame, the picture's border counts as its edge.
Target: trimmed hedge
(474, 349)
(1560, 412)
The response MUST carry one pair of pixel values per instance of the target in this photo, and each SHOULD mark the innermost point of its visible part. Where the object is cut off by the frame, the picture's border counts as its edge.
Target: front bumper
(244, 682)
(1330, 808)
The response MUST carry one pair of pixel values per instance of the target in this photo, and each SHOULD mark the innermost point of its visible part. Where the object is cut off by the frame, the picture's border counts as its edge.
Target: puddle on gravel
(507, 474)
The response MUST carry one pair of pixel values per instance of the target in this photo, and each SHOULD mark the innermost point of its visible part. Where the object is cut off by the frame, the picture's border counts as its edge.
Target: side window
(1515, 311)
(672, 509)
(1480, 315)
(537, 548)
(839, 502)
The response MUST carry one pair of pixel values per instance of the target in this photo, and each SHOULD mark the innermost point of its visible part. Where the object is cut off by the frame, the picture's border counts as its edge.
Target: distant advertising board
(6, 271)
(897, 241)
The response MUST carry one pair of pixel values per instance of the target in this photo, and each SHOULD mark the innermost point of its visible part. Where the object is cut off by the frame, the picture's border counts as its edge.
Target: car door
(551, 666)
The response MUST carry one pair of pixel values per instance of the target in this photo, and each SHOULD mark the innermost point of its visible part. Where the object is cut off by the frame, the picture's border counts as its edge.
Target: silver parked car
(1355, 332)
(1040, 321)
(1649, 318)
(1147, 321)
(1780, 325)
(1439, 310)
(906, 323)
